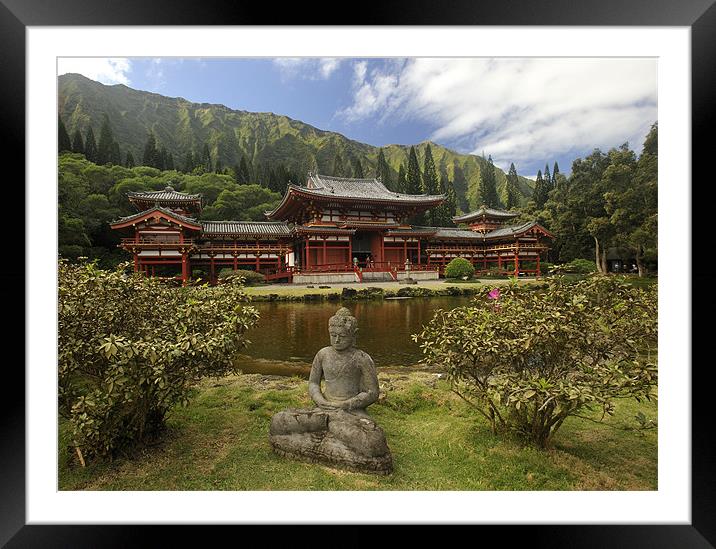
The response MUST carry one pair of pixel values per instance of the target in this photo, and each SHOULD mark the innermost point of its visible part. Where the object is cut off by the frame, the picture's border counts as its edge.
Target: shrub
(578, 266)
(249, 278)
(529, 360)
(131, 347)
(459, 268)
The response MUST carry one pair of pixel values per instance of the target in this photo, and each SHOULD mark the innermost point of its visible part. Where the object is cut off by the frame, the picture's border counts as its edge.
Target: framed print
(673, 507)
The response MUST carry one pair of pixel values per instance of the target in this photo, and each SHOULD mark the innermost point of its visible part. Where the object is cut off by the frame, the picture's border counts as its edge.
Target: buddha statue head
(342, 328)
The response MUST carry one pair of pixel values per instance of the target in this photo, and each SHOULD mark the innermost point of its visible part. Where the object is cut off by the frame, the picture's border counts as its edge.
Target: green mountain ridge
(182, 126)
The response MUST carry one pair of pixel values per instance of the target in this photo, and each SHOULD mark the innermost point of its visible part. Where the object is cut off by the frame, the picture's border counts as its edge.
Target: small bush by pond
(459, 268)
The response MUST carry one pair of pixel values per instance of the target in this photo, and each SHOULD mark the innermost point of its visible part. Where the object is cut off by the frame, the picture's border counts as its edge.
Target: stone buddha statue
(339, 431)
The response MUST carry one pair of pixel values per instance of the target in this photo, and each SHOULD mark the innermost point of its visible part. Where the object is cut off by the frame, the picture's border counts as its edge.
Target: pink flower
(494, 294)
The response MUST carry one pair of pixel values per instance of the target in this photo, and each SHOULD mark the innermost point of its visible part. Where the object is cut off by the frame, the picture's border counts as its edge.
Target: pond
(288, 334)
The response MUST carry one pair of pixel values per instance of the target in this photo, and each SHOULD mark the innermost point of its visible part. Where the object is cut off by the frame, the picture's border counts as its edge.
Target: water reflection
(288, 335)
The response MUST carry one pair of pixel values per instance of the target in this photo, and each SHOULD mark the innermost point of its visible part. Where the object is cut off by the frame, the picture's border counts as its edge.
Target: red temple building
(330, 230)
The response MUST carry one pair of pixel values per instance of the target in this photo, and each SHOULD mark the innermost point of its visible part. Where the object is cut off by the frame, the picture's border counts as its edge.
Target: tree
(547, 180)
(401, 184)
(528, 360)
(206, 158)
(460, 184)
(122, 367)
(541, 192)
(382, 171)
(513, 189)
(78, 144)
(90, 146)
(338, 167)
(448, 209)
(242, 174)
(151, 154)
(188, 165)
(106, 139)
(488, 185)
(555, 175)
(430, 184)
(129, 162)
(358, 169)
(169, 162)
(115, 155)
(631, 199)
(413, 182)
(63, 139)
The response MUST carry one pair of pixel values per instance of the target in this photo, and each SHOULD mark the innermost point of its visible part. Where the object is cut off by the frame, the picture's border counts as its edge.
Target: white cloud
(516, 110)
(308, 68)
(107, 70)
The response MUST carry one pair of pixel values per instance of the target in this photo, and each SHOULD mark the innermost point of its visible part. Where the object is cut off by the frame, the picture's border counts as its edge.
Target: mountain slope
(265, 138)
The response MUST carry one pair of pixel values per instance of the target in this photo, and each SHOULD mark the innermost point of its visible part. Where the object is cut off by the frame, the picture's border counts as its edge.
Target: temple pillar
(184, 268)
(212, 276)
(538, 271)
(324, 251)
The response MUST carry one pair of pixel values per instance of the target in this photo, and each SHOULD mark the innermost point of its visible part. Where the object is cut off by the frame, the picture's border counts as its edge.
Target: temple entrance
(367, 247)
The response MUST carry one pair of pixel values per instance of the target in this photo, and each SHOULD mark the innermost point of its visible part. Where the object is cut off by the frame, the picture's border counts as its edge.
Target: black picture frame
(699, 15)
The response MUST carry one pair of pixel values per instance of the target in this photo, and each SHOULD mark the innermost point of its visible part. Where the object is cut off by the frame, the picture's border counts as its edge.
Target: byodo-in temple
(330, 230)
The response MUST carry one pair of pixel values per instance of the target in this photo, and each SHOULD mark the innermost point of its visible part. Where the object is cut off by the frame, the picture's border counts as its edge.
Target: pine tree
(90, 146)
(382, 171)
(414, 183)
(402, 184)
(219, 166)
(357, 169)
(170, 162)
(115, 156)
(488, 185)
(513, 192)
(161, 162)
(63, 139)
(150, 151)
(129, 162)
(78, 144)
(450, 202)
(338, 167)
(243, 176)
(188, 162)
(430, 183)
(540, 192)
(555, 173)
(547, 179)
(104, 147)
(206, 158)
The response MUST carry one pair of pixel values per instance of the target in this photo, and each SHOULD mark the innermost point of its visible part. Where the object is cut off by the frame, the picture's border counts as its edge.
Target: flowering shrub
(131, 347)
(527, 360)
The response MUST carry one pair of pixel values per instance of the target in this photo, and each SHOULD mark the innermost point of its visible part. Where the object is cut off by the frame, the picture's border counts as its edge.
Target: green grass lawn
(220, 442)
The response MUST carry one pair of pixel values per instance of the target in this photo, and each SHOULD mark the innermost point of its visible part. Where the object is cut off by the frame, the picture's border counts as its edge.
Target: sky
(530, 111)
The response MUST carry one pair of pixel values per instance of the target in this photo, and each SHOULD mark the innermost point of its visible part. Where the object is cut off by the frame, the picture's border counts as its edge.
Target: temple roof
(343, 190)
(190, 221)
(514, 230)
(168, 193)
(252, 228)
(486, 213)
(360, 188)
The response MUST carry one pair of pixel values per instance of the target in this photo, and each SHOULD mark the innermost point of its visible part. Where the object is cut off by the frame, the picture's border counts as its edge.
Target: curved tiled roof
(168, 194)
(258, 228)
(486, 212)
(451, 232)
(371, 189)
(165, 211)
